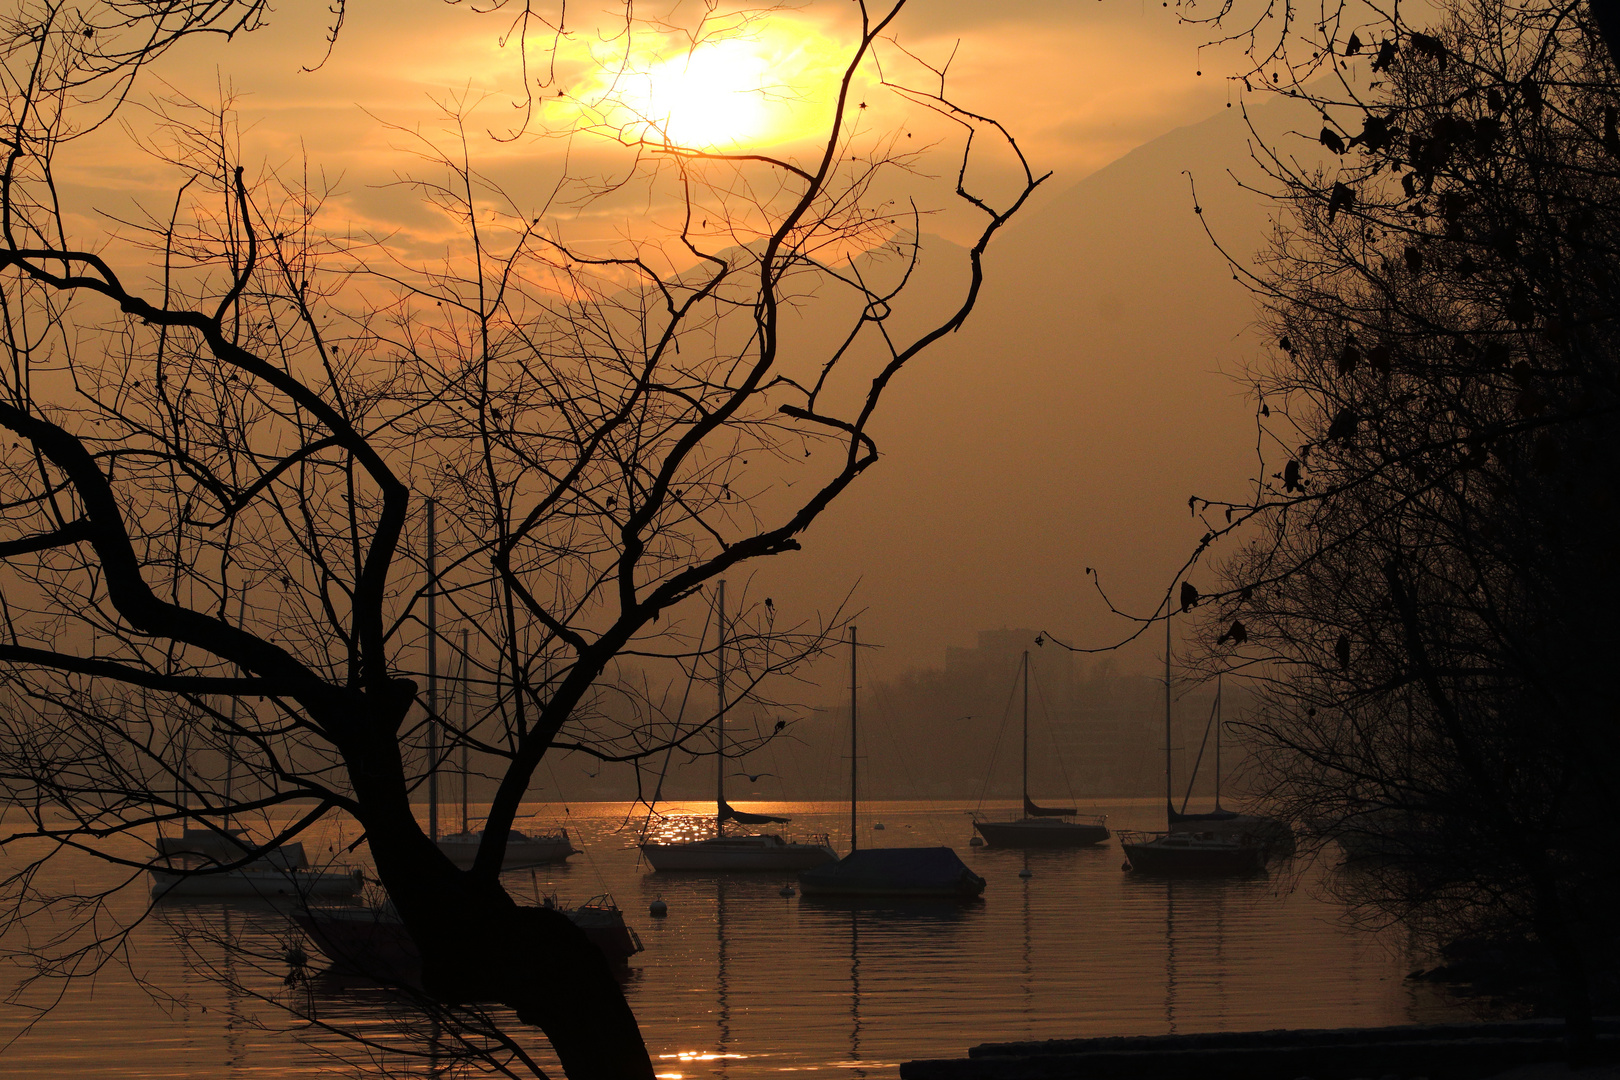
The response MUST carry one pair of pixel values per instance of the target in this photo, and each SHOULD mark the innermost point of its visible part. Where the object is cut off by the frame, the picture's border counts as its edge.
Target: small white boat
(522, 849)
(191, 873)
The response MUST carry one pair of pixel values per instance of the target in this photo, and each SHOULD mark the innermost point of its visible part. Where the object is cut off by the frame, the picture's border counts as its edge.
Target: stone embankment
(1433, 1051)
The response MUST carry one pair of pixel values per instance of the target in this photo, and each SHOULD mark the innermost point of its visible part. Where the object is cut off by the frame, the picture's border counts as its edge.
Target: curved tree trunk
(478, 945)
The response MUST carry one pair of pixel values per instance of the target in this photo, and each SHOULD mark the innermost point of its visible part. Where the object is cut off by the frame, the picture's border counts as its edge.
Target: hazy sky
(1079, 83)
(1064, 429)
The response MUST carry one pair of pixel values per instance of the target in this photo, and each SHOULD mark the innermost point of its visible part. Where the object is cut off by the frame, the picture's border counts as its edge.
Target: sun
(720, 94)
(772, 85)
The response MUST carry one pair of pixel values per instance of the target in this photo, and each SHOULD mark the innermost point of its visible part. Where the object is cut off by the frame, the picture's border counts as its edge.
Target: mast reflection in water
(739, 981)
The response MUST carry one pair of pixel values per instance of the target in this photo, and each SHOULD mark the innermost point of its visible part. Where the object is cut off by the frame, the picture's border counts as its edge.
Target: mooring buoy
(658, 909)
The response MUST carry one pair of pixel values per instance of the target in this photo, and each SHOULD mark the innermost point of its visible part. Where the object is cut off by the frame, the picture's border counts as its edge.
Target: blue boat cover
(912, 867)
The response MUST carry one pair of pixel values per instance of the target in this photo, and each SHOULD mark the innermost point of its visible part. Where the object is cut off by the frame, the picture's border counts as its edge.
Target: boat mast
(1217, 742)
(465, 774)
(720, 719)
(230, 727)
(1026, 733)
(1169, 796)
(854, 761)
(433, 676)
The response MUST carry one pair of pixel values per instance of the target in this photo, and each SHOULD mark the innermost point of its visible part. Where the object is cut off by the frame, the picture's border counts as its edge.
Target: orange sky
(1079, 83)
(1064, 429)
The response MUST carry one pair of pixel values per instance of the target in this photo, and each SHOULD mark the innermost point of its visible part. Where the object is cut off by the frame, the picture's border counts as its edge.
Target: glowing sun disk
(719, 94)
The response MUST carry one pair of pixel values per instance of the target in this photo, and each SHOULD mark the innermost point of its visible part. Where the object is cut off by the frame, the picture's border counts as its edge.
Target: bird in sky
(753, 778)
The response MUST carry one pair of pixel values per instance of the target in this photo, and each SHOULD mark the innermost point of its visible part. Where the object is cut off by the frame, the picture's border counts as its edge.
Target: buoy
(1024, 873)
(878, 827)
(788, 890)
(1124, 866)
(658, 909)
(977, 841)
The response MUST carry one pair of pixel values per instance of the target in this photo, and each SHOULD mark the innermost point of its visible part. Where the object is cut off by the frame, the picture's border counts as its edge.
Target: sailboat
(372, 942)
(1191, 852)
(200, 863)
(916, 872)
(735, 851)
(1041, 826)
(283, 872)
(522, 850)
(1277, 837)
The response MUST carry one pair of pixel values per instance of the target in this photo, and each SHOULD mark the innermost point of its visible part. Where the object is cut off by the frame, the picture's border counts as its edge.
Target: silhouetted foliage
(1421, 584)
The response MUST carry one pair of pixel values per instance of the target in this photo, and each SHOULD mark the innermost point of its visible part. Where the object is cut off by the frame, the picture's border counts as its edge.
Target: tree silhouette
(224, 417)
(1421, 566)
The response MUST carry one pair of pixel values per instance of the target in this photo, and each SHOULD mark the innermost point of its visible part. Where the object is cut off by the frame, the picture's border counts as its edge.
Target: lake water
(738, 981)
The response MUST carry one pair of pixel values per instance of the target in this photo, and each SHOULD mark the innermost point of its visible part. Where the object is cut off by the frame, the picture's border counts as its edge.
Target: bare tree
(1416, 586)
(223, 418)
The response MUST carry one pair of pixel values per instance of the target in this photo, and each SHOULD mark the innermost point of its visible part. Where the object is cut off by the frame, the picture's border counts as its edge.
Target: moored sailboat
(723, 852)
(220, 862)
(188, 873)
(1188, 852)
(1274, 834)
(521, 850)
(1041, 826)
(910, 872)
(372, 942)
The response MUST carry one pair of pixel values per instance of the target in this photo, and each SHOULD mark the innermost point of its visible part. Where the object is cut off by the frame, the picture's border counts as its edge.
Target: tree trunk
(1574, 985)
(1606, 16)
(478, 945)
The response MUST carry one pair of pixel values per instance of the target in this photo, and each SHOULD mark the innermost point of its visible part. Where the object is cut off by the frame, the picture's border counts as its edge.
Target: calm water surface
(738, 981)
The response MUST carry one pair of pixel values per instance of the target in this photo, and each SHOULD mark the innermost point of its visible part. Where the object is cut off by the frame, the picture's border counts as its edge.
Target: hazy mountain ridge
(1063, 427)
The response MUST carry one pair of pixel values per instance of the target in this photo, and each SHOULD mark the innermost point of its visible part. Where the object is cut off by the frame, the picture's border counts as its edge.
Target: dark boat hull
(1042, 833)
(375, 945)
(1186, 855)
(1277, 837)
(730, 853)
